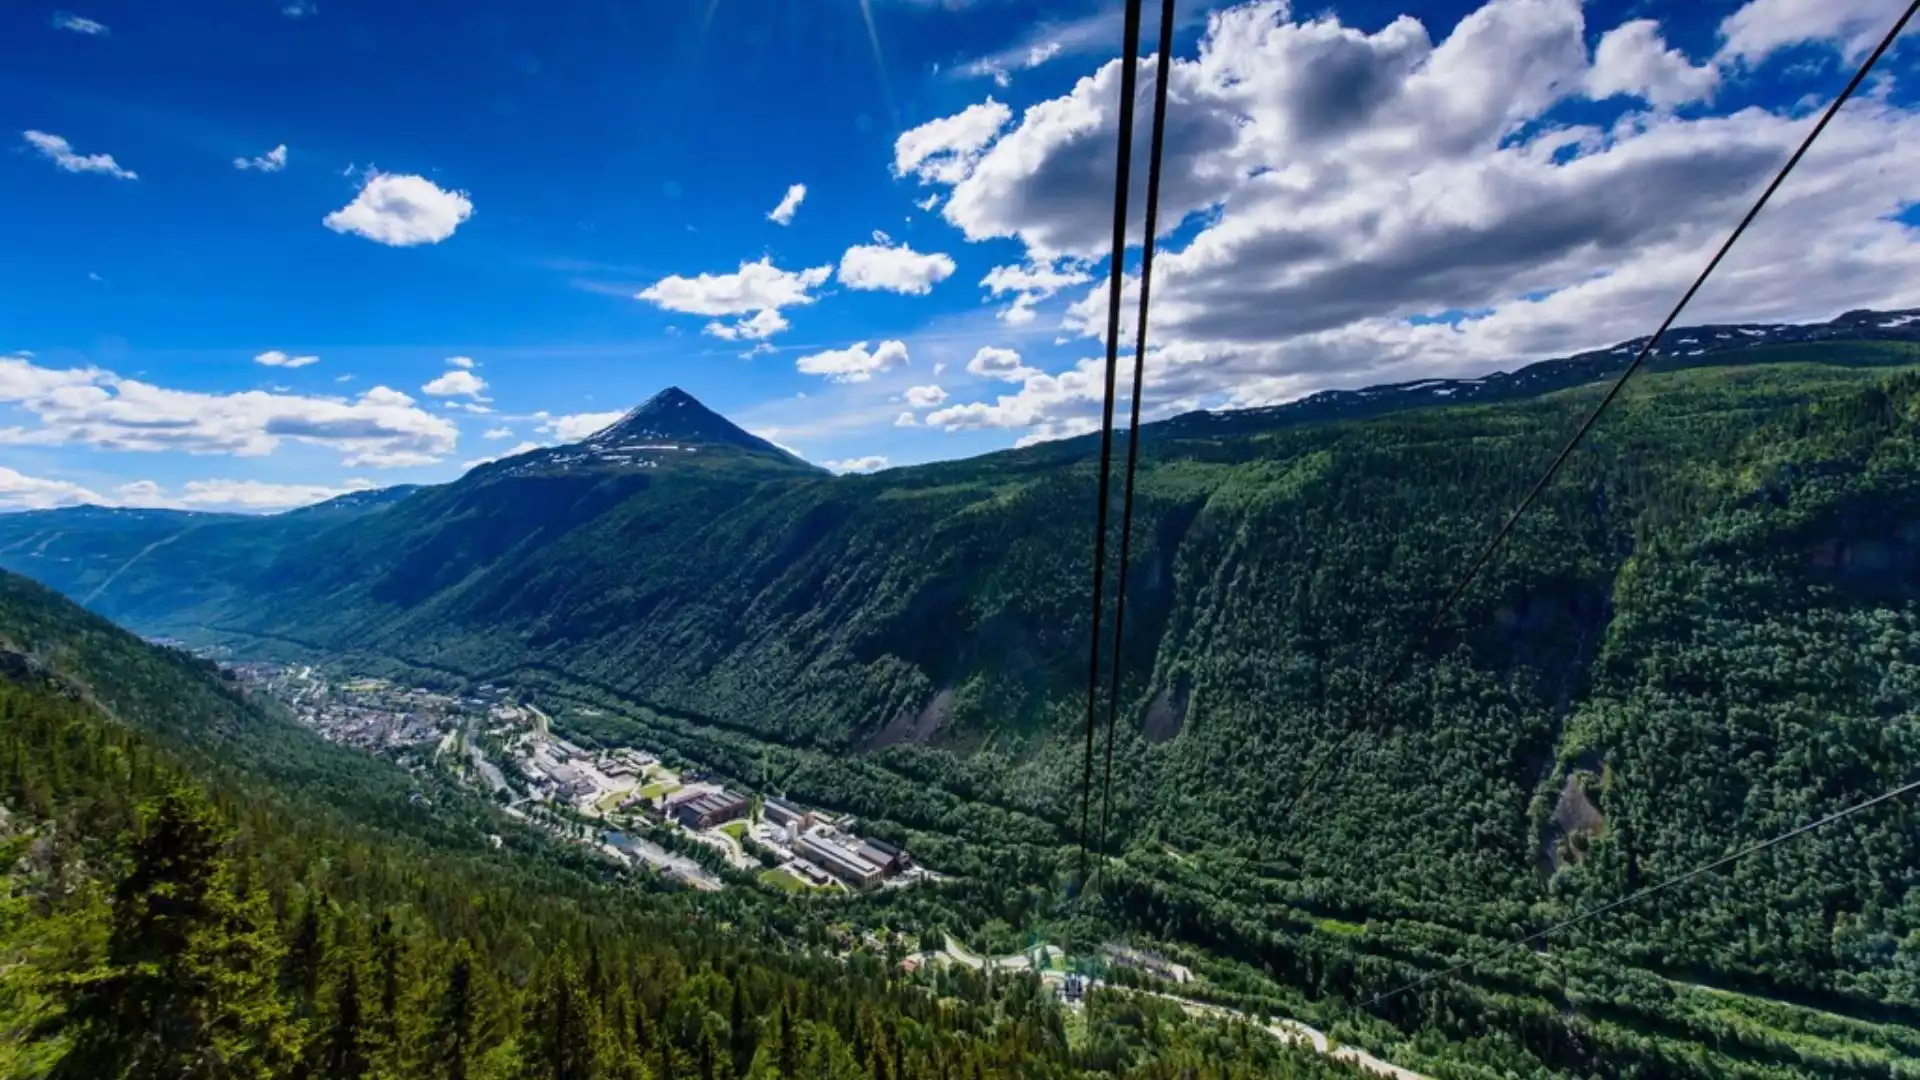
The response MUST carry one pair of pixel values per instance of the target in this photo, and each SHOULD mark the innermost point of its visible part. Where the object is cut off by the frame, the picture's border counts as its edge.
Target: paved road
(1293, 1031)
(737, 856)
(488, 770)
(1289, 1031)
(1019, 961)
(643, 850)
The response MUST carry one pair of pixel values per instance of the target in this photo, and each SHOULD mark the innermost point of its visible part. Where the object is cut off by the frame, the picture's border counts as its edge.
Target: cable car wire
(1641, 894)
(1129, 76)
(1163, 71)
(1499, 538)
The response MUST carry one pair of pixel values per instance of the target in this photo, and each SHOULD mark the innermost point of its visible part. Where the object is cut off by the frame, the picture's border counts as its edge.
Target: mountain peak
(667, 402)
(670, 408)
(670, 419)
(671, 428)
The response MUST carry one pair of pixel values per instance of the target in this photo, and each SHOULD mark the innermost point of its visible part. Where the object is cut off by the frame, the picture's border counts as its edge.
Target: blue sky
(558, 178)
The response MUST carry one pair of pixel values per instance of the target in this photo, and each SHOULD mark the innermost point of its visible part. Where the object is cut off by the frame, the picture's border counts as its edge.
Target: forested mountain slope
(173, 907)
(123, 561)
(1708, 632)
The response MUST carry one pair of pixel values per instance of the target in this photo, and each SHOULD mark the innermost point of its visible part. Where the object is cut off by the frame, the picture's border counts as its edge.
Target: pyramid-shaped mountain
(668, 429)
(675, 417)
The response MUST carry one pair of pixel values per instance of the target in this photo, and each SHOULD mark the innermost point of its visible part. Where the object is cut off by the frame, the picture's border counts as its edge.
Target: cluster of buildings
(556, 770)
(371, 714)
(814, 847)
(861, 865)
(559, 771)
(702, 809)
(530, 764)
(822, 850)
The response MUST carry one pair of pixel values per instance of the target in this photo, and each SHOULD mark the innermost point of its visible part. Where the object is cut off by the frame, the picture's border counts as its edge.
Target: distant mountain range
(1691, 346)
(190, 572)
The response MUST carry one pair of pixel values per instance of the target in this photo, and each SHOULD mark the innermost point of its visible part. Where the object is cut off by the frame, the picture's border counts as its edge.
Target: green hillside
(173, 907)
(1708, 633)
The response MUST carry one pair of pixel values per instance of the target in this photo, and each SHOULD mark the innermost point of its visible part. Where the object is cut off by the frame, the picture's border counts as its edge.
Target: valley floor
(403, 722)
(1226, 987)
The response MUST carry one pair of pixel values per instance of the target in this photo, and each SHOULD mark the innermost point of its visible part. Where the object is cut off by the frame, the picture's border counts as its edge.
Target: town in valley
(647, 811)
(625, 800)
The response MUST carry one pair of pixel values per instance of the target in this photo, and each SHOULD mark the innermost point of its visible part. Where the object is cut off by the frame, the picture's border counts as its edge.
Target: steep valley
(1706, 634)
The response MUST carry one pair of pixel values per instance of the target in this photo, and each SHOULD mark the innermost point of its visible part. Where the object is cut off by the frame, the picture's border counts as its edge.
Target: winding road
(1286, 1030)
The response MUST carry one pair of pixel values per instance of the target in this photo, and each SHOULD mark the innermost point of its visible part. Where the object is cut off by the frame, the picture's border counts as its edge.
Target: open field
(784, 881)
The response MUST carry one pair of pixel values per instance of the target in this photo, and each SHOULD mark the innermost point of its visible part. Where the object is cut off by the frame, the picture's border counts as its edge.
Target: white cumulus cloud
(1760, 28)
(756, 286)
(994, 362)
(18, 491)
(789, 205)
(573, 427)
(243, 495)
(401, 211)
(758, 290)
(61, 153)
(759, 326)
(21, 492)
(1010, 411)
(1032, 283)
(1634, 59)
(883, 266)
(458, 382)
(460, 361)
(855, 363)
(1351, 192)
(67, 20)
(870, 463)
(945, 150)
(276, 358)
(95, 407)
(925, 397)
(272, 161)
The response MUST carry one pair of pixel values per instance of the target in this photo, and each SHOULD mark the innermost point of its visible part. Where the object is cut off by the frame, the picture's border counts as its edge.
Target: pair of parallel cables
(1116, 287)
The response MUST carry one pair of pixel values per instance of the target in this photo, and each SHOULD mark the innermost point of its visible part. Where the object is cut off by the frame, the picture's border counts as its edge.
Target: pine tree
(306, 956)
(388, 955)
(741, 1035)
(452, 1038)
(788, 1056)
(596, 977)
(343, 1054)
(640, 1025)
(185, 991)
(562, 1035)
(664, 1070)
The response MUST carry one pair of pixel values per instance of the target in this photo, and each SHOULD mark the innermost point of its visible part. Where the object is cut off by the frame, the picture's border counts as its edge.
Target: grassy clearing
(735, 829)
(784, 881)
(658, 788)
